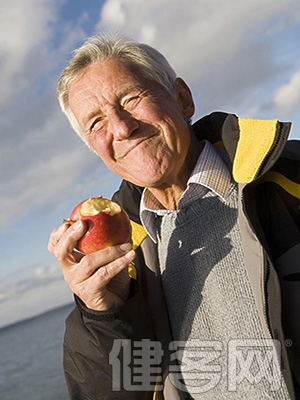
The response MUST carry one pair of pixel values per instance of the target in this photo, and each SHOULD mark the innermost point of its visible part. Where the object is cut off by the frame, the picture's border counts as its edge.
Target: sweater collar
(210, 173)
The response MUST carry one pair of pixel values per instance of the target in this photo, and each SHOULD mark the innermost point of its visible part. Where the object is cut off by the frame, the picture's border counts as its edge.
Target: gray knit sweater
(211, 306)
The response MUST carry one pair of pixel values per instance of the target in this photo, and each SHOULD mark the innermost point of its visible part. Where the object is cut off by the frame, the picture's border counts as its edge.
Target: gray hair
(103, 47)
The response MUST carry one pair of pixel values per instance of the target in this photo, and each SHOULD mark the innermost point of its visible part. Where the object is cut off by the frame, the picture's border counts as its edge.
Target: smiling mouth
(133, 146)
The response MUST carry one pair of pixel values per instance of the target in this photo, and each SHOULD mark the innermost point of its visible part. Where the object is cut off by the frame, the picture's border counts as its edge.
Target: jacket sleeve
(92, 370)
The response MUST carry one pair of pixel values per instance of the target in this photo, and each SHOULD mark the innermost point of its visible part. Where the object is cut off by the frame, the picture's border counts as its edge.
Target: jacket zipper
(267, 269)
(279, 143)
(266, 274)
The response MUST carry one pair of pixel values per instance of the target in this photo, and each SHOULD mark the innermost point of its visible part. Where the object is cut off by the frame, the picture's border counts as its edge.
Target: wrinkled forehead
(117, 76)
(115, 67)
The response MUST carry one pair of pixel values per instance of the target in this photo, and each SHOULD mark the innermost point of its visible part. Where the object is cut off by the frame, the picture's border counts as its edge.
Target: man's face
(136, 127)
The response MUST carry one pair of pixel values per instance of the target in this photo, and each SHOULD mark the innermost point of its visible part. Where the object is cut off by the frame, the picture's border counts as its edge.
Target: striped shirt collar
(210, 173)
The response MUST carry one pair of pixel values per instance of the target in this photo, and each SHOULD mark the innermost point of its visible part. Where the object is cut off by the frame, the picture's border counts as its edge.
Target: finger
(92, 262)
(64, 249)
(94, 288)
(55, 236)
(106, 273)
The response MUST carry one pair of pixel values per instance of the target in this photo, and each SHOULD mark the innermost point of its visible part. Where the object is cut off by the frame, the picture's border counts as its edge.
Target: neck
(169, 194)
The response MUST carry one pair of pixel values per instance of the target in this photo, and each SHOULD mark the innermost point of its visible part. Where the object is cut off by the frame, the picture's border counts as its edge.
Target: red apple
(108, 224)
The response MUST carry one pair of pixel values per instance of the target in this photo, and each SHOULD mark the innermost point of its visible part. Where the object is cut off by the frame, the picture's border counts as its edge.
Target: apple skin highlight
(108, 224)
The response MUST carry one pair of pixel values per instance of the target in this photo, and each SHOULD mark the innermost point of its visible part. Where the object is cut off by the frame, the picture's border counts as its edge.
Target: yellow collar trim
(137, 236)
(256, 138)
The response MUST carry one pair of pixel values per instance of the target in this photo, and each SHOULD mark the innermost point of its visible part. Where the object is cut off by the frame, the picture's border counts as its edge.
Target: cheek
(101, 146)
(105, 154)
(177, 134)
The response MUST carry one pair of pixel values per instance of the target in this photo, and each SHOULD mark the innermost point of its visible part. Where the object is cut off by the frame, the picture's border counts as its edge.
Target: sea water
(31, 358)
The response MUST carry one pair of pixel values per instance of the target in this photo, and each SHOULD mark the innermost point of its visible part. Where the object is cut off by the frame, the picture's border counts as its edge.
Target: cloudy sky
(237, 56)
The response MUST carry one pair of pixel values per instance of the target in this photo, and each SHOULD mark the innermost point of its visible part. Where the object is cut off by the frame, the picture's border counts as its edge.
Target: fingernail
(125, 246)
(77, 225)
(130, 255)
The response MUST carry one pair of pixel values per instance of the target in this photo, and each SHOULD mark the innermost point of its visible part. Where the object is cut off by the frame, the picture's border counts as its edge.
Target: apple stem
(69, 221)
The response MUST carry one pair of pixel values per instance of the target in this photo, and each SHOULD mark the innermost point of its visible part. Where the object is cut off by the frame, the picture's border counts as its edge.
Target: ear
(184, 98)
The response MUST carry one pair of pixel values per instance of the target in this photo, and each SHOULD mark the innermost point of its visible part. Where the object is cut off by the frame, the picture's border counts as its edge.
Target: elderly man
(213, 297)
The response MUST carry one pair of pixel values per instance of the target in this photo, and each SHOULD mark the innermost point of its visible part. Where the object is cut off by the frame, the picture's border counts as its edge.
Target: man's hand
(99, 279)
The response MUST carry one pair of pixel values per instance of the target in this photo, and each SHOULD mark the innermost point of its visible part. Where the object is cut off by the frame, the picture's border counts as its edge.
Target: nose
(122, 124)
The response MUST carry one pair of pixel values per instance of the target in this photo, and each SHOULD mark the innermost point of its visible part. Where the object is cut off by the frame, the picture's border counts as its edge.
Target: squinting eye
(132, 101)
(96, 125)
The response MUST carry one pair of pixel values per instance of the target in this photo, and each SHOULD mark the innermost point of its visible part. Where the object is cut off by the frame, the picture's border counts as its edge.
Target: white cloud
(223, 49)
(287, 97)
(41, 183)
(28, 279)
(113, 12)
(210, 28)
(24, 26)
(34, 291)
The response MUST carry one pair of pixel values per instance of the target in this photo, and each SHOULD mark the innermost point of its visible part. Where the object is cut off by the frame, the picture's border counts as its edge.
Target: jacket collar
(253, 145)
